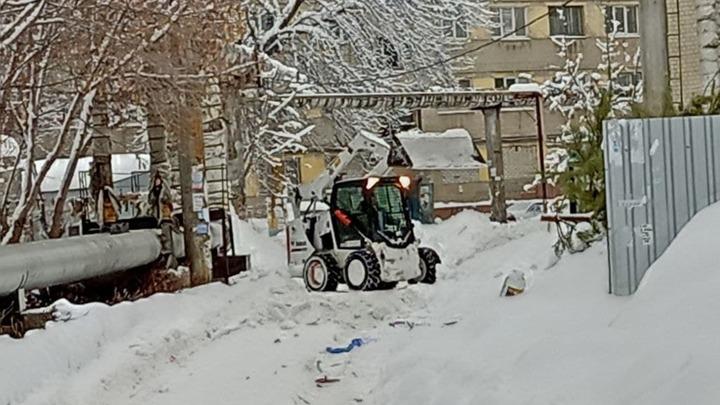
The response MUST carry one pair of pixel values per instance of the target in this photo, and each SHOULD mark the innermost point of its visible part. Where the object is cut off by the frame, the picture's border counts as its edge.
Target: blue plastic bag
(353, 344)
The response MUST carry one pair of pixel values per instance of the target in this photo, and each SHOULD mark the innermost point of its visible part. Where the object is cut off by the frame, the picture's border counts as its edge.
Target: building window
(456, 28)
(504, 83)
(628, 81)
(465, 83)
(510, 21)
(566, 21)
(624, 17)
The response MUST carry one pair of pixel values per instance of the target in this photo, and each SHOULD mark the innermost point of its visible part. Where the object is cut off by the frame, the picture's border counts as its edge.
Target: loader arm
(363, 142)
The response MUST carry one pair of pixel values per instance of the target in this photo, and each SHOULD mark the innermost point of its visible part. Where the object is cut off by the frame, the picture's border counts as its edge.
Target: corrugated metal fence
(659, 174)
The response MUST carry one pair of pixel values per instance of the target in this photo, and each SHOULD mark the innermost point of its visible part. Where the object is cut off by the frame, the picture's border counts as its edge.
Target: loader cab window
(389, 204)
(349, 200)
(375, 208)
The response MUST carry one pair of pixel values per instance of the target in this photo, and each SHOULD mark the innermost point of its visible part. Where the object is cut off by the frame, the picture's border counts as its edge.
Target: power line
(437, 63)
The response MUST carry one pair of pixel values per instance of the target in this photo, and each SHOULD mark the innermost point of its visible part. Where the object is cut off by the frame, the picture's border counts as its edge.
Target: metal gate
(659, 173)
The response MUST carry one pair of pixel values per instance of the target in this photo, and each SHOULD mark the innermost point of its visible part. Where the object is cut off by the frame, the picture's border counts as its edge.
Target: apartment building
(513, 54)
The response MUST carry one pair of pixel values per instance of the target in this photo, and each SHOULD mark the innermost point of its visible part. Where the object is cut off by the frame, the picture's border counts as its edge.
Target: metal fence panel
(659, 173)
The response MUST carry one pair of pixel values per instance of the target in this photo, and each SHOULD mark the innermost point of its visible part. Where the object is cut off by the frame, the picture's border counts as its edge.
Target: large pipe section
(62, 261)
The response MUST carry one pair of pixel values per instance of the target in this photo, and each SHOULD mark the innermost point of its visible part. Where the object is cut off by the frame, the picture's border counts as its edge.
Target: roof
(450, 150)
(123, 166)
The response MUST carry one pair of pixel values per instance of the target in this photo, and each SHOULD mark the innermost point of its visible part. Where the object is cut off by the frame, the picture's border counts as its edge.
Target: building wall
(536, 53)
(687, 47)
(534, 56)
(452, 185)
(520, 135)
(515, 124)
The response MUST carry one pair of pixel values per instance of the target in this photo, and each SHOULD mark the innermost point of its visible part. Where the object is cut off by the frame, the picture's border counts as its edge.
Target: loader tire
(429, 260)
(362, 271)
(321, 273)
(387, 285)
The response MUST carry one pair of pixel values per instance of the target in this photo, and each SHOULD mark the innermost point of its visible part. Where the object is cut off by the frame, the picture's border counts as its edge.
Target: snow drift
(566, 341)
(563, 341)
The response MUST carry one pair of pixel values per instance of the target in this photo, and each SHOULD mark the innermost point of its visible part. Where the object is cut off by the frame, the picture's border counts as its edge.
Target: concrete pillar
(493, 141)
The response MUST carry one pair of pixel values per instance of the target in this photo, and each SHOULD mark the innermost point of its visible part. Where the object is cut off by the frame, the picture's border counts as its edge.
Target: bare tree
(102, 42)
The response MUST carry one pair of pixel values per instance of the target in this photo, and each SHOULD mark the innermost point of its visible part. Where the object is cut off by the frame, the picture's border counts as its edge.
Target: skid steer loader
(362, 234)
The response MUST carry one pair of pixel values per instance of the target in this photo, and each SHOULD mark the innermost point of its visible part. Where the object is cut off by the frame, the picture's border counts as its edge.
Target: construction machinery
(357, 231)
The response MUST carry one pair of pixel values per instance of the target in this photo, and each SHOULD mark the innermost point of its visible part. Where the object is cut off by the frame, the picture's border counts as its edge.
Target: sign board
(198, 202)
(198, 178)
(202, 228)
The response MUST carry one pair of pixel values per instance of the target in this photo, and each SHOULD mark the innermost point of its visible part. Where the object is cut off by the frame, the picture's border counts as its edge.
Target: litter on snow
(514, 284)
(409, 324)
(326, 380)
(357, 342)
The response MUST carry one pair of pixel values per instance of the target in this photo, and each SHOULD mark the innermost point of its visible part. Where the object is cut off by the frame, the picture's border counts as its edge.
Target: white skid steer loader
(362, 235)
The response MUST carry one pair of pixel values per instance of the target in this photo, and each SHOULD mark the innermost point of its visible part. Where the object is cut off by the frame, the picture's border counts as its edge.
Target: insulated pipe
(61, 261)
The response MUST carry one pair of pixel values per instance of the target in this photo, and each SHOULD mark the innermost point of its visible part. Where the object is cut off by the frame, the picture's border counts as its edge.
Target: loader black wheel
(388, 285)
(320, 273)
(429, 260)
(362, 271)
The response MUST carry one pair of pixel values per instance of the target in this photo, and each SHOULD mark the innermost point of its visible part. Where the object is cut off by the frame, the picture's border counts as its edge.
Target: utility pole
(496, 168)
(653, 43)
(191, 156)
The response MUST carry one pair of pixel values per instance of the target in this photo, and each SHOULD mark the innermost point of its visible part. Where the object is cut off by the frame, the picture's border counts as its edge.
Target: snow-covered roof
(452, 149)
(526, 87)
(123, 165)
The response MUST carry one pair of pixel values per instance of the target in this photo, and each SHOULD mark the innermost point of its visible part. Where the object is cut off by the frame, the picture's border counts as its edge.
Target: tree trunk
(57, 224)
(236, 146)
(11, 187)
(190, 160)
(157, 138)
(79, 147)
(101, 169)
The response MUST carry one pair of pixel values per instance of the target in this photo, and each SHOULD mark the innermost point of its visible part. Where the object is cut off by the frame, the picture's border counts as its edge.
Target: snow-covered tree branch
(49, 91)
(338, 46)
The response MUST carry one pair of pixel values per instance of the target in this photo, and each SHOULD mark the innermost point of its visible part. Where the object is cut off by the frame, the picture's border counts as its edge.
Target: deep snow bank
(465, 235)
(566, 341)
(106, 350)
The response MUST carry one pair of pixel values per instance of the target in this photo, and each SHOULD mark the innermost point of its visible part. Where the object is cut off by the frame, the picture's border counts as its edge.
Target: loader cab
(374, 207)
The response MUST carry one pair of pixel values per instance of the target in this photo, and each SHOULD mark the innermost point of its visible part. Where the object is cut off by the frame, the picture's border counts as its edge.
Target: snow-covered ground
(263, 340)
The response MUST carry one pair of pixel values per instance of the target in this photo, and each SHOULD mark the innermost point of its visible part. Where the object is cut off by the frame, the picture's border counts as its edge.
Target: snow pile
(526, 88)
(467, 234)
(565, 341)
(99, 354)
(452, 149)
(266, 253)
